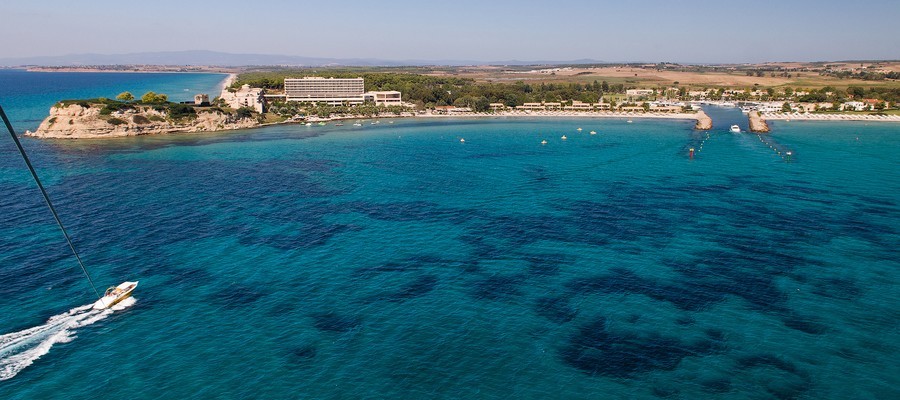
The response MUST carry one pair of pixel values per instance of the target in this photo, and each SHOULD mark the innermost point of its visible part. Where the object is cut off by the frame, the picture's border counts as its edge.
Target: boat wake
(20, 349)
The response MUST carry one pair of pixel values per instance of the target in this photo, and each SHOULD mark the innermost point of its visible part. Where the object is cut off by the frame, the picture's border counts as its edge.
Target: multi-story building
(336, 91)
(333, 91)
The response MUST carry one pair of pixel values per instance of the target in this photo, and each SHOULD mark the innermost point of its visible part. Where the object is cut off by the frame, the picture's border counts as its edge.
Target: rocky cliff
(86, 121)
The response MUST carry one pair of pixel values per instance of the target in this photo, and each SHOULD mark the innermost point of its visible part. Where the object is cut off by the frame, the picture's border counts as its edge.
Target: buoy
(563, 137)
(462, 140)
(692, 152)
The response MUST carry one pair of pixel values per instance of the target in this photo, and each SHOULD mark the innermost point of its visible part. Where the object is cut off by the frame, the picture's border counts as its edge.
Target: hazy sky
(487, 30)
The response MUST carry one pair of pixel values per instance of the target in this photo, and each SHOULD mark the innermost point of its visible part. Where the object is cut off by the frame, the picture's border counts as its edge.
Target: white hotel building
(336, 91)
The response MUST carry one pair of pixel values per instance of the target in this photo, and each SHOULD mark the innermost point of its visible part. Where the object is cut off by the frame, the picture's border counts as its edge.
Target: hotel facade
(336, 91)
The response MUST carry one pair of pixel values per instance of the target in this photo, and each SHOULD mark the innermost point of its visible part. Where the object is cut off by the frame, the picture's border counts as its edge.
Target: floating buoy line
(785, 154)
(699, 147)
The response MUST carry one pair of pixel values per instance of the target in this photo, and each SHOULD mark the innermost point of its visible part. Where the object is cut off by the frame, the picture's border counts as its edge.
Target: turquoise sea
(395, 261)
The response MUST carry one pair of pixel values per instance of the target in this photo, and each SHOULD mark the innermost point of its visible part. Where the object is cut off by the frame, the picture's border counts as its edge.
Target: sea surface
(395, 261)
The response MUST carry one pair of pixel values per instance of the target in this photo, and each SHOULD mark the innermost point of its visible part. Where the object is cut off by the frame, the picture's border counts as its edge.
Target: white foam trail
(20, 349)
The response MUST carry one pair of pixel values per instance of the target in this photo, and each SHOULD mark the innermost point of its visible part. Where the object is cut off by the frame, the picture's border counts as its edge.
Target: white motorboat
(115, 294)
(735, 129)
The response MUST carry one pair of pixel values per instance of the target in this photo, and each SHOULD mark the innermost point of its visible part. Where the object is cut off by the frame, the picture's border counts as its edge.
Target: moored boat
(735, 129)
(115, 294)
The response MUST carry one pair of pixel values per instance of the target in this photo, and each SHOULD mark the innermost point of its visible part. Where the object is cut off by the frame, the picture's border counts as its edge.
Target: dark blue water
(393, 261)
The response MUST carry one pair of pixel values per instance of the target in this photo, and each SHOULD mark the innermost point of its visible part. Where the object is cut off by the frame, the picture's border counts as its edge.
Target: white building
(635, 94)
(336, 91)
(244, 97)
(853, 106)
(383, 98)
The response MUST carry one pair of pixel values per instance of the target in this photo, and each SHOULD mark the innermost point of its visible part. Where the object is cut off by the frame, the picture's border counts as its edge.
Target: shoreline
(505, 114)
(829, 117)
(224, 83)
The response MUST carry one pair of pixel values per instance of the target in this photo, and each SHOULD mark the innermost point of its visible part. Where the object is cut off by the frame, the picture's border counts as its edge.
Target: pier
(704, 122)
(757, 123)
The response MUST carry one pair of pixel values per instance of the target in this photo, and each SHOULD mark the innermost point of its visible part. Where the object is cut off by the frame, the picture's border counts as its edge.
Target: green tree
(786, 107)
(152, 98)
(125, 96)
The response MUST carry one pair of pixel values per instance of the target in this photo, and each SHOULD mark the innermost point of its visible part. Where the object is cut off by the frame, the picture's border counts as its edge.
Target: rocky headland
(85, 120)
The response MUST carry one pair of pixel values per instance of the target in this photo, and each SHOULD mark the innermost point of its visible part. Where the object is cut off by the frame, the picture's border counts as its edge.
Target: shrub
(140, 119)
(177, 111)
(243, 112)
(156, 118)
(115, 121)
(52, 120)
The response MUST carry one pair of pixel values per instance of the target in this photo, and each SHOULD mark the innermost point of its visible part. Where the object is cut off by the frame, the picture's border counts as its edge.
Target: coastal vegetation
(477, 87)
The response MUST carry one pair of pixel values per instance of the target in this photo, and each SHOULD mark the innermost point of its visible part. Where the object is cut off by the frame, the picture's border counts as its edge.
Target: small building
(498, 106)
(638, 94)
(201, 100)
(580, 106)
(853, 106)
(532, 107)
(383, 98)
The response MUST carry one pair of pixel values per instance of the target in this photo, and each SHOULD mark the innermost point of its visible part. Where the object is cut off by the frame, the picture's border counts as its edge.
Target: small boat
(563, 137)
(579, 129)
(390, 122)
(593, 132)
(735, 129)
(309, 124)
(629, 121)
(115, 294)
(357, 124)
(322, 124)
(543, 142)
(338, 124)
(462, 140)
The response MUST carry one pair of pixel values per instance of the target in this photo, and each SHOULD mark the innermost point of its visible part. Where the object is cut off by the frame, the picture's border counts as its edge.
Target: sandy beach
(829, 117)
(567, 114)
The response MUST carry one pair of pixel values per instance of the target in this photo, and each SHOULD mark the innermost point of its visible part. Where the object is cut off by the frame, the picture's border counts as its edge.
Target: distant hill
(203, 57)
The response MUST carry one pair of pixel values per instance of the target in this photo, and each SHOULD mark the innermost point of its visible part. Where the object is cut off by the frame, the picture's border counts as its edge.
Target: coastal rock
(757, 123)
(704, 122)
(76, 121)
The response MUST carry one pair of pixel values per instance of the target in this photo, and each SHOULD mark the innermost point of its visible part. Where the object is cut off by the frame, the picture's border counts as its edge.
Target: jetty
(757, 123)
(704, 122)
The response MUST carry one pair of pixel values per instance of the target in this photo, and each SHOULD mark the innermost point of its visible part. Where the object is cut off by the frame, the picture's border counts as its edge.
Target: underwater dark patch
(836, 288)
(332, 322)
(555, 309)
(417, 288)
(716, 385)
(805, 325)
(594, 350)
(498, 287)
(302, 355)
(546, 264)
(237, 296)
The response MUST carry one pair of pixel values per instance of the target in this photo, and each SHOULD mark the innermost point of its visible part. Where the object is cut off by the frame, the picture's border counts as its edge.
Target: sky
(697, 31)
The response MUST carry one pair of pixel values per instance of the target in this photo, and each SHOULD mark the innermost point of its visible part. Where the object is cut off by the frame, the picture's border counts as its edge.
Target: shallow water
(395, 261)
